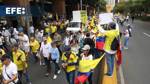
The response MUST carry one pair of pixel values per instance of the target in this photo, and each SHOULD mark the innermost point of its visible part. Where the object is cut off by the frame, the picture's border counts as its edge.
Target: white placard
(105, 18)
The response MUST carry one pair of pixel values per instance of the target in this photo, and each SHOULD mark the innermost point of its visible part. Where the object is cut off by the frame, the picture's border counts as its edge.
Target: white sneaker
(40, 63)
(125, 48)
(43, 64)
(55, 76)
(29, 83)
(47, 74)
(58, 71)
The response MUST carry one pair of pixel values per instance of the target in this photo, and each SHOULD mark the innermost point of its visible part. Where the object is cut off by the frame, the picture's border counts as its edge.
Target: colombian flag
(82, 77)
(85, 67)
(100, 42)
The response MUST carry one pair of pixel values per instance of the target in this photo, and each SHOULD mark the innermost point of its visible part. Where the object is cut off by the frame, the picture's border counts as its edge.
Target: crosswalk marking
(146, 34)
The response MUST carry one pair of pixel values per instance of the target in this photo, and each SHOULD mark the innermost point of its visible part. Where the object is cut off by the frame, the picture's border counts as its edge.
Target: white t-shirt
(90, 57)
(1, 40)
(45, 49)
(66, 41)
(10, 70)
(31, 29)
(15, 33)
(126, 33)
(6, 33)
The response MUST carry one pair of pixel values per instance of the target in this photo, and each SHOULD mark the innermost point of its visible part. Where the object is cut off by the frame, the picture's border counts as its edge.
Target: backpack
(115, 44)
(129, 30)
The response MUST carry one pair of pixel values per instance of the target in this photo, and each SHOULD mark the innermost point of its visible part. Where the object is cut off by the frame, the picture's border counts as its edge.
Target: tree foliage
(136, 7)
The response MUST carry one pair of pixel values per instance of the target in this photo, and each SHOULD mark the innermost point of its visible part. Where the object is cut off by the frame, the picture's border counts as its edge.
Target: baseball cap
(86, 47)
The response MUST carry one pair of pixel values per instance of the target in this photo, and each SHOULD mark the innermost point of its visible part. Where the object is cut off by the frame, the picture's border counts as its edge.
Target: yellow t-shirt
(34, 46)
(19, 59)
(110, 35)
(3, 52)
(53, 29)
(61, 26)
(1, 66)
(47, 30)
(49, 39)
(73, 59)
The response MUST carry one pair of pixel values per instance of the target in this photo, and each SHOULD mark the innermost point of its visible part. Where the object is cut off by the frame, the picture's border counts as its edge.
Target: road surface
(136, 60)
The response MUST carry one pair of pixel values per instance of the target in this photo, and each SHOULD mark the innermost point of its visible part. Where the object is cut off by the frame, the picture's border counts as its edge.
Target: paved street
(37, 73)
(137, 58)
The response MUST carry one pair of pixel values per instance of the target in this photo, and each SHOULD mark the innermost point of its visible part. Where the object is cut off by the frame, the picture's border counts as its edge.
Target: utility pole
(80, 4)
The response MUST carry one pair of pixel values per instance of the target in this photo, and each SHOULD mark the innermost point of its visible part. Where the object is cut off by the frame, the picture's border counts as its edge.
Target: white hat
(86, 47)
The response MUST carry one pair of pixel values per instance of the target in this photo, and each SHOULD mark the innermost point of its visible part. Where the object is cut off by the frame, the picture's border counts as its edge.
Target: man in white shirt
(9, 71)
(6, 35)
(31, 30)
(45, 52)
(15, 33)
(24, 42)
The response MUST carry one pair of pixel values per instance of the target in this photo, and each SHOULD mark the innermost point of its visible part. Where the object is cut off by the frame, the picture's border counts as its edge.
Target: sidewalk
(110, 80)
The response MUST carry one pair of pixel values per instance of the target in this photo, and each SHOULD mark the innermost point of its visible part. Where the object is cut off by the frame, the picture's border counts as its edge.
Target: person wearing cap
(86, 55)
(9, 71)
(69, 63)
(34, 44)
(110, 34)
(19, 59)
(54, 54)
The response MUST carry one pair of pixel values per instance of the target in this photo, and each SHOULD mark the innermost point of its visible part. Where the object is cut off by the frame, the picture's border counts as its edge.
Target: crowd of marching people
(52, 44)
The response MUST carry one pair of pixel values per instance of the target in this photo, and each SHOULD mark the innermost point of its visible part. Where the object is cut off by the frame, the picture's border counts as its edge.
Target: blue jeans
(126, 41)
(20, 74)
(56, 67)
(110, 63)
(70, 77)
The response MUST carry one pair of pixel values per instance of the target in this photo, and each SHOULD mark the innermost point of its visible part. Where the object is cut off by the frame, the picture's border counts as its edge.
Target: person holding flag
(84, 75)
(111, 45)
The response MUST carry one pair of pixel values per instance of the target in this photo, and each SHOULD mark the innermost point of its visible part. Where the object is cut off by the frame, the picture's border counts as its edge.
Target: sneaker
(58, 71)
(47, 74)
(43, 64)
(29, 83)
(40, 64)
(125, 48)
(109, 75)
(55, 76)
